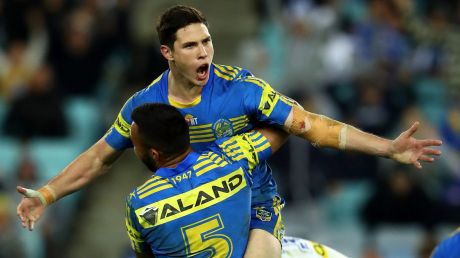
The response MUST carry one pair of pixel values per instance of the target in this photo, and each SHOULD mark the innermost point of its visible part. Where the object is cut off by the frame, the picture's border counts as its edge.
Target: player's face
(141, 151)
(193, 53)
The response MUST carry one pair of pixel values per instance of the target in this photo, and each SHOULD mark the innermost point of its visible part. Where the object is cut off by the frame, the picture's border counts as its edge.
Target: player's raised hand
(409, 150)
(31, 207)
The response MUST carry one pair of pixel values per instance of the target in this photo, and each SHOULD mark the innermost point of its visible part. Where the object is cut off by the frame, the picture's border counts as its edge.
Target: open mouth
(202, 72)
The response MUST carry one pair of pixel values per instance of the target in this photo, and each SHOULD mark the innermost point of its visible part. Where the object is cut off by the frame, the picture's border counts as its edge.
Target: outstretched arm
(86, 167)
(325, 132)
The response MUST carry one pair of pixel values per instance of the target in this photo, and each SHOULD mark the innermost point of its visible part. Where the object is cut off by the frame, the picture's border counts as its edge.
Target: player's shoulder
(449, 247)
(143, 194)
(209, 159)
(229, 73)
(235, 77)
(151, 90)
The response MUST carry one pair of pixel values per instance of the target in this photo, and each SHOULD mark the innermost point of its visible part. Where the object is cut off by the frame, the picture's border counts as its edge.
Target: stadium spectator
(39, 111)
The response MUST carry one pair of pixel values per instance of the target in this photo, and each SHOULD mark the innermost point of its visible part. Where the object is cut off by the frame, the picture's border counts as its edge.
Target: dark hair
(162, 127)
(173, 19)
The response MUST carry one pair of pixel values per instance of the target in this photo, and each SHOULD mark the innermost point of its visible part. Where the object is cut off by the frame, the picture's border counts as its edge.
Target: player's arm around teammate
(322, 131)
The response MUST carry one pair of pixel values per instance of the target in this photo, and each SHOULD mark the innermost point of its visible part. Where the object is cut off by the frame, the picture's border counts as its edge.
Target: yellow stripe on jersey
(222, 75)
(239, 123)
(134, 235)
(200, 131)
(231, 147)
(259, 141)
(203, 140)
(206, 169)
(234, 69)
(230, 73)
(201, 136)
(196, 127)
(238, 118)
(122, 126)
(238, 128)
(155, 81)
(155, 190)
(213, 161)
(184, 105)
(203, 163)
(197, 199)
(247, 148)
(257, 81)
(154, 181)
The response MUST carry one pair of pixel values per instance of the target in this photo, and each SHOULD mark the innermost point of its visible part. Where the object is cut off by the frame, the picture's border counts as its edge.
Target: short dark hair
(173, 19)
(162, 127)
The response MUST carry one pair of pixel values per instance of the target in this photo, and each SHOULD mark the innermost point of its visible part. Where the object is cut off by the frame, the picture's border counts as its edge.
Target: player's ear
(155, 154)
(166, 52)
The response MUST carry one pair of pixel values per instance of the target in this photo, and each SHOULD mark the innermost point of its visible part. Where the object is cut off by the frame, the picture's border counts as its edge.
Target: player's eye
(189, 45)
(206, 41)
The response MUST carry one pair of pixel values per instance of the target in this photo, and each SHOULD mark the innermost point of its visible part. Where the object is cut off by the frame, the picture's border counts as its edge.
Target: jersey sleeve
(119, 134)
(449, 247)
(264, 103)
(133, 228)
(250, 149)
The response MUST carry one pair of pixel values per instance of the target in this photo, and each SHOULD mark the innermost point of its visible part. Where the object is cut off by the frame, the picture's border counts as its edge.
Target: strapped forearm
(323, 131)
(320, 130)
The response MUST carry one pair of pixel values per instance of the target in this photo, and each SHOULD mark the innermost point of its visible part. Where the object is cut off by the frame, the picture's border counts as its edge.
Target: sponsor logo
(222, 128)
(191, 120)
(192, 201)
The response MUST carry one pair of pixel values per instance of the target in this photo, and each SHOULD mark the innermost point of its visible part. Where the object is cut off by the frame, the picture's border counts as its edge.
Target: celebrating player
(219, 101)
(197, 203)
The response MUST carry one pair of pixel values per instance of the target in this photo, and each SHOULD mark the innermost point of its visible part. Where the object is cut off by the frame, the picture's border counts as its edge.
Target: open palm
(409, 150)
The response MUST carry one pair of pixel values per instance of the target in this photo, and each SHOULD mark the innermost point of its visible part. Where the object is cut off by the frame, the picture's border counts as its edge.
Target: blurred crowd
(378, 65)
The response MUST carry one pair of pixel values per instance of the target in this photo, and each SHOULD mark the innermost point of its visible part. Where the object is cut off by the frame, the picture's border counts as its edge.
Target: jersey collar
(183, 166)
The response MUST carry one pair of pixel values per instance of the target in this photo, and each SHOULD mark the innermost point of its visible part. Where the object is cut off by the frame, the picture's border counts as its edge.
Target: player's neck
(181, 89)
(173, 162)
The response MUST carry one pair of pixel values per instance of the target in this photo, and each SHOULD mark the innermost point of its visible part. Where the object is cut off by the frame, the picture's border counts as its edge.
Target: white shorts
(294, 247)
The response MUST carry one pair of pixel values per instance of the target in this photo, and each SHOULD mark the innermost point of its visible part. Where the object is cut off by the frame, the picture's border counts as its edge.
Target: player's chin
(201, 81)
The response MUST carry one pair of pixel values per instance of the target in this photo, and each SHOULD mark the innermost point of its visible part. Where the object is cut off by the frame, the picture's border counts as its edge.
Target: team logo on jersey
(263, 214)
(150, 215)
(191, 120)
(222, 128)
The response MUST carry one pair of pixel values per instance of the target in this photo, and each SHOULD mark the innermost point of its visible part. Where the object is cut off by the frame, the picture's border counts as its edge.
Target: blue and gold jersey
(230, 103)
(201, 207)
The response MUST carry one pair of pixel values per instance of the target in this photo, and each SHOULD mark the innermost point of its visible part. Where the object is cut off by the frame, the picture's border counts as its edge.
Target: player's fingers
(20, 190)
(428, 151)
(31, 225)
(417, 164)
(28, 192)
(431, 142)
(21, 217)
(412, 129)
(426, 158)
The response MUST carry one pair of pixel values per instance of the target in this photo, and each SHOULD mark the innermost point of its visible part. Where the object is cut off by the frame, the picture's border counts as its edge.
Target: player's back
(200, 208)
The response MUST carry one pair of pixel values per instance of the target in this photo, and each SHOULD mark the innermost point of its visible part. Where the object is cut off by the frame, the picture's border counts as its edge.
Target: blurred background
(66, 68)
